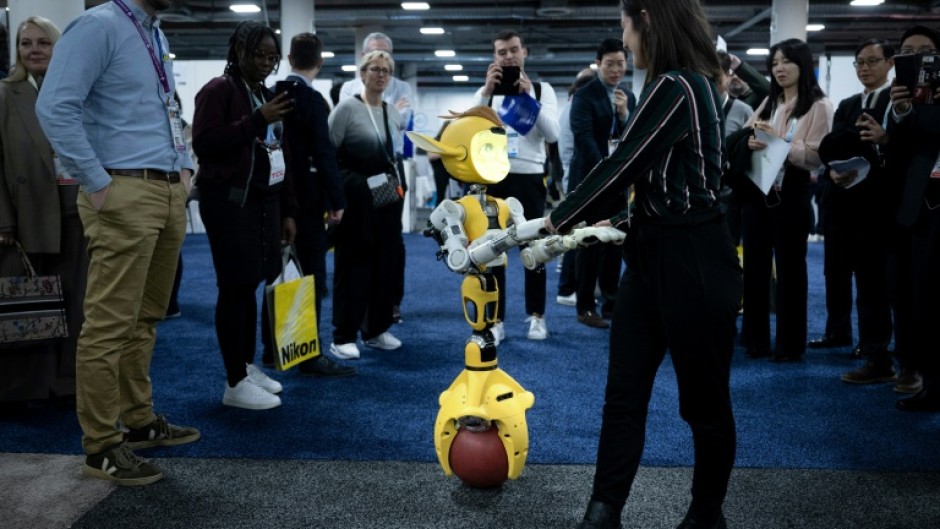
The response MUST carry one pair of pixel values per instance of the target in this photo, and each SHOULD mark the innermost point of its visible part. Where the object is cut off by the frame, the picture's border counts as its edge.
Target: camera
(507, 84)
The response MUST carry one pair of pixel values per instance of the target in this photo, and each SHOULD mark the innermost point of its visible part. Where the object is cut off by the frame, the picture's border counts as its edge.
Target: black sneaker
(160, 433)
(122, 466)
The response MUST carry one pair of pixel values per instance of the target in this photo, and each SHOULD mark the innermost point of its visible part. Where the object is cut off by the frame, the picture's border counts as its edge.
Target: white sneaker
(346, 351)
(256, 375)
(250, 396)
(537, 328)
(570, 300)
(384, 341)
(499, 333)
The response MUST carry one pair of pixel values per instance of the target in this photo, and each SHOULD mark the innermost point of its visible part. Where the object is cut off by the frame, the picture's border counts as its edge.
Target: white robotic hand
(544, 250)
(593, 235)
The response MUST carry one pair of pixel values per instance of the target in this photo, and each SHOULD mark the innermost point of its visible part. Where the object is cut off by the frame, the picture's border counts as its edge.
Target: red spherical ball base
(479, 458)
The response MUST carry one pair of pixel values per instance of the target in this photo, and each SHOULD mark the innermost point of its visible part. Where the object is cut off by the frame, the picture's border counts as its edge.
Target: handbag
(292, 314)
(32, 308)
(385, 187)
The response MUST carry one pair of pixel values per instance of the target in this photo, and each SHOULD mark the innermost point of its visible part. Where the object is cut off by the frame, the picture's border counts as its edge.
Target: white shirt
(531, 158)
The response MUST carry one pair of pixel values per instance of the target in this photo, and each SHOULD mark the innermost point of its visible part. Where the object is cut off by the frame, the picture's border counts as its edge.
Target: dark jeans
(925, 238)
(529, 190)
(597, 265)
(311, 252)
(680, 293)
(246, 251)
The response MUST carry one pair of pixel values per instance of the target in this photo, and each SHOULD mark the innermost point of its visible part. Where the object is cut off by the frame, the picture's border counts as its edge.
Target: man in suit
(317, 182)
(914, 129)
(856, 223)
(599, 114)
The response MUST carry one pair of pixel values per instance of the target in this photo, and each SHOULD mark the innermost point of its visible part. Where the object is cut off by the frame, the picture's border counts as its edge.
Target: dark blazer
(915, 145)
(591, 119)
(867, 198)
(308, 136)
(29, 197)
(592, 124)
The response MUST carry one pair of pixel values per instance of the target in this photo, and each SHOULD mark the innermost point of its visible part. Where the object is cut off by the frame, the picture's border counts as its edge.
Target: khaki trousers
(133, 246)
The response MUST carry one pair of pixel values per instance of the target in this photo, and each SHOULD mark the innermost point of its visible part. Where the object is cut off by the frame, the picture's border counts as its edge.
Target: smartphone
(507, 85)
(286, 86)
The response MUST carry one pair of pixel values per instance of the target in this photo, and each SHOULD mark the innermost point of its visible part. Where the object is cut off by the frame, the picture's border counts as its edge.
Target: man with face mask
(107, 108)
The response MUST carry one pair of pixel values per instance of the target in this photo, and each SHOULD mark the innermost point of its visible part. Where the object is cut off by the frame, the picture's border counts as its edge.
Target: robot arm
(544, 250)
(447, 220)
(486, 249)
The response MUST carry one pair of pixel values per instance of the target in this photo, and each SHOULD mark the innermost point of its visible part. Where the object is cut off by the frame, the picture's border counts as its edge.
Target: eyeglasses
(871, 63)
(378, 70)
(918, 51)
(262, 56)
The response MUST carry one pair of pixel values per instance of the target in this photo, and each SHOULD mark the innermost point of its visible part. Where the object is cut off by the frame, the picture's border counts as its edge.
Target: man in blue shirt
(107, 108)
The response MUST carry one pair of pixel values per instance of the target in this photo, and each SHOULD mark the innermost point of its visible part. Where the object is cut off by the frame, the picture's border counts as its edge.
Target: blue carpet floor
(788, 416)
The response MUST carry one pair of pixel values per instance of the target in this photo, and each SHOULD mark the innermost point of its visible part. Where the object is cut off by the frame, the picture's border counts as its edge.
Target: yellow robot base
(491, 395)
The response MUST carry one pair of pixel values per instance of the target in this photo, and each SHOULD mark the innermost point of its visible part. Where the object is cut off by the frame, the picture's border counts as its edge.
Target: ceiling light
(349, 67)
(244, 8)
(445, 53)
(328, 55)
(461, 78)
(453, 67)
(815, 27)
(863, 3)
(758, 51)
(277, 32)
(432, 31)
(593, 66)
(415, 6)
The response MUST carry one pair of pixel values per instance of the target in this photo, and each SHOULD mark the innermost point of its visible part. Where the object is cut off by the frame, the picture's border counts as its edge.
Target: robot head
(473, 147)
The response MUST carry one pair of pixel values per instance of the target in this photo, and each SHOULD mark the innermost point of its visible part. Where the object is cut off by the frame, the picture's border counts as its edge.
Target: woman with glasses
(914, 128)
(361, 130)
(246, 201)
(776, 225)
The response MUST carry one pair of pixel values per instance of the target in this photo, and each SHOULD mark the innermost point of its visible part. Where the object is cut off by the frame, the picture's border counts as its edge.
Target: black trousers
(925, 238)
(529, 190)
(597, 265)
(856, 245)
(311, 251)
(245, 241)
(900, 293)
(776, 235)
(680, 293)
(364, 277)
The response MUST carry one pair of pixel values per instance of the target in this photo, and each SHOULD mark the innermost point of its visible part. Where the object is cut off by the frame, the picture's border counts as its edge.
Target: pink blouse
(808, 133)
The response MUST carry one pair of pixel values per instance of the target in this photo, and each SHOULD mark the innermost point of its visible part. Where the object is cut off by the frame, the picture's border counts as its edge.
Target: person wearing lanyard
(246, 200)
(776, 226)
(599, 114)
(107, 108)
(857, 226)
(365, 244)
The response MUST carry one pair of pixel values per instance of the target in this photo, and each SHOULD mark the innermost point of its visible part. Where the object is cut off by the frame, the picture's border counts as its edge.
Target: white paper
(857, 163)
(766, 163)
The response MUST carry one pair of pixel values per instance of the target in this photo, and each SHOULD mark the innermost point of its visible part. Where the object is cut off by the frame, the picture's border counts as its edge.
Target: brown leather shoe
(870, 373)
(593, 319)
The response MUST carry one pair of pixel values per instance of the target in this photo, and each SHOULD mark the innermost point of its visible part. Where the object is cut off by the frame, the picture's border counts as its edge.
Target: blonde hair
(19, 72)
(374, 56)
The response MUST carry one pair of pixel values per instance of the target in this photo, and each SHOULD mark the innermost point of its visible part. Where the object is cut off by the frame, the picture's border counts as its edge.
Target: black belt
(146, 174)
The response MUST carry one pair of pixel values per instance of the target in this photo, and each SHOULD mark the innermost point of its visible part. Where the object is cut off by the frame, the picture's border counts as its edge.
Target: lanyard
(157, 65)
(375, 126)
(272, 137)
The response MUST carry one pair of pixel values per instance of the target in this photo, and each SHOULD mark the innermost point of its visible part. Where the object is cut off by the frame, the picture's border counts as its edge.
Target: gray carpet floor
(48, 492)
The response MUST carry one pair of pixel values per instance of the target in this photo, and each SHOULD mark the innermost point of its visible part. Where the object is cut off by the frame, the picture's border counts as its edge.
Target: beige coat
(29, 197)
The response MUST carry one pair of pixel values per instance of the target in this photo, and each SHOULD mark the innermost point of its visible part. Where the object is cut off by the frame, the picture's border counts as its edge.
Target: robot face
(489, 154)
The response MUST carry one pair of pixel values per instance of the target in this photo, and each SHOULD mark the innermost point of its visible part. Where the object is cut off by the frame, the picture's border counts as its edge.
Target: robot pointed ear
(431, 145)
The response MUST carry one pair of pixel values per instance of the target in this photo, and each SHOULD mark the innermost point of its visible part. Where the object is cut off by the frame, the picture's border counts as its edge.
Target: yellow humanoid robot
(474, 234)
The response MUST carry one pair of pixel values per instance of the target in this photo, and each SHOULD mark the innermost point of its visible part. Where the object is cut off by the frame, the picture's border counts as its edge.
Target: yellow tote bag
(292, 314)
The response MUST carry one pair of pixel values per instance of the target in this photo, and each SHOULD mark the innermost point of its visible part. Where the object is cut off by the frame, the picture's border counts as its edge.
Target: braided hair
(248, 35)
